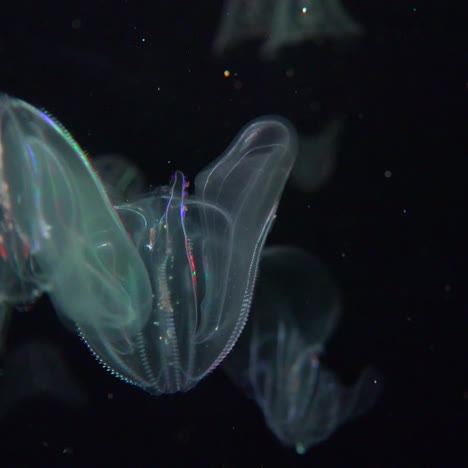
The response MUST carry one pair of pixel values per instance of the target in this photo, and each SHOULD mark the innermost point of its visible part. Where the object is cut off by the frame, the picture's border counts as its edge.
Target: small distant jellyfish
(300, 20)
(277, 361)
(281, 23)
(123, 179)
(316, 158)
(242, 20)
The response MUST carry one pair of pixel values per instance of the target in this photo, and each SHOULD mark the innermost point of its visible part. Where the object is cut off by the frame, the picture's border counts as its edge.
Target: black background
(391, 243)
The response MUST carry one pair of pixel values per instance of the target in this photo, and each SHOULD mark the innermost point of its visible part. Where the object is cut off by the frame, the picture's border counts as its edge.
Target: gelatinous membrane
(55, 216)
(277, 359)
(18, 283)
(281, 23)
(201, 253)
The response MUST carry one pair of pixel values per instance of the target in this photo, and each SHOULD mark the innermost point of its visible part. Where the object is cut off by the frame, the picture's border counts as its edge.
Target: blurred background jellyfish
(281, 23)
(242, 20)
(277, 359)
(316, 158)
(122, 179)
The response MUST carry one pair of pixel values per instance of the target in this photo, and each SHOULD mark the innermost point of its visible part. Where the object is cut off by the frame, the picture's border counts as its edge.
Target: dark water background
(390, 242)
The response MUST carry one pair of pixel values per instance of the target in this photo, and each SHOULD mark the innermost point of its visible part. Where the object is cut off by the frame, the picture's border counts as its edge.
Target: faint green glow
(300, 449)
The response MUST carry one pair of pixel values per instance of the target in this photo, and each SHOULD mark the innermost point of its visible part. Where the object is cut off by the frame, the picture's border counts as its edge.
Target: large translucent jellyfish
(201, 253)
(159, 288)
(316, 158)
(277, 359)
(282, 23)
